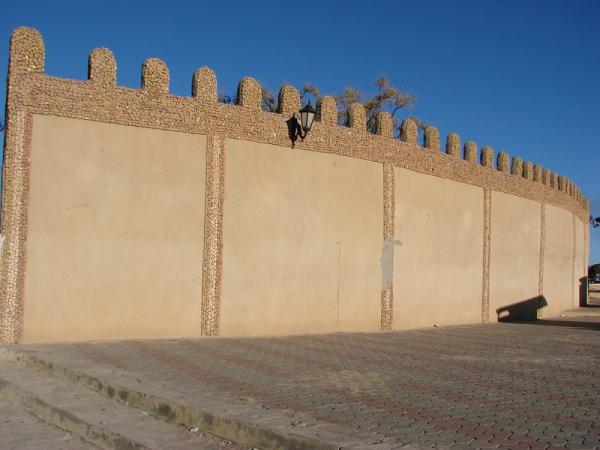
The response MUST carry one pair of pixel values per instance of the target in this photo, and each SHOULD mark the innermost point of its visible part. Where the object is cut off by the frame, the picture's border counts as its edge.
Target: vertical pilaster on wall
(487, 235)
(14, 227)
(541, 257)
(27, 55)
(574, 278)
(387, 257)
(213, 236)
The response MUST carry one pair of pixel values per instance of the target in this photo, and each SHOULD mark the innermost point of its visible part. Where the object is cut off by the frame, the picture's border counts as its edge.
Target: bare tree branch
(310, 88)
(387, 97)
(268, 102)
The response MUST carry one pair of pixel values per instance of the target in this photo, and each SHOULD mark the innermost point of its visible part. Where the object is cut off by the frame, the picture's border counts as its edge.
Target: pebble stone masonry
(31, 91)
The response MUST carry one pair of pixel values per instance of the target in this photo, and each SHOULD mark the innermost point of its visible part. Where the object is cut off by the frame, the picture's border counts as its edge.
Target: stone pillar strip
(487, 225)
(26, 57)
(213, 236)
(542, 252)
(387, 257)
(574, 276)
(14, 226)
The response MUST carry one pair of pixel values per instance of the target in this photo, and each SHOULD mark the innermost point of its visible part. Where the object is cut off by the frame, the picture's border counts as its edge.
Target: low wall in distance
(136, 214)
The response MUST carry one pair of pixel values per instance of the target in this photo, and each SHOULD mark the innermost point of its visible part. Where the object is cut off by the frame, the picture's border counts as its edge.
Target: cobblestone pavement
(517, 386)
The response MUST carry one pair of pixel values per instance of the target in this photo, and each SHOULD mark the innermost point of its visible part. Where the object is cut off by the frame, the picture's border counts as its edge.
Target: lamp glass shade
(307, 117)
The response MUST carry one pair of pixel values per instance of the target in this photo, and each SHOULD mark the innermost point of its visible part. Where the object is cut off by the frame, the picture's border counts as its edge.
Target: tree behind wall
(386, 98)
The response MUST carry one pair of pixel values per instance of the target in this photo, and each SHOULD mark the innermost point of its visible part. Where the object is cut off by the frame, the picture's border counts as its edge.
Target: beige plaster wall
(516, 225)
(438, 265)
(302, 235)
(558, 261)
(115, 233)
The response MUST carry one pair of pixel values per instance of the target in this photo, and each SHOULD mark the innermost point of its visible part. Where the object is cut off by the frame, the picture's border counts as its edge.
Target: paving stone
(506, 385)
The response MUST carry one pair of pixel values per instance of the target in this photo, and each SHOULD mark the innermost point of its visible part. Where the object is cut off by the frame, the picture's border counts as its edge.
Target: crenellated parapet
(357, 117)
(409, 131)
(453, 145)
(102, 68)
(249, 93)
(385, 124)
(155, 76)
(327, 110)
(487, 157)
(431, 138)
(27, 51)
(288, 101)
(204, 85)
(27, 55)
(538, 173)
(517, 166)
(554, 181)
(528, 170)
(502, 162)
(470, 151)
(546, 177)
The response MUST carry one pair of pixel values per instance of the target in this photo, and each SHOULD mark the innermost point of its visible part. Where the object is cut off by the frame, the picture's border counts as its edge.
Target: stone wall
(136, 213)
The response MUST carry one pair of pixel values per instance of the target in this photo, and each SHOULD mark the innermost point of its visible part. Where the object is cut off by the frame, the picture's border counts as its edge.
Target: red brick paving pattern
(496, 386)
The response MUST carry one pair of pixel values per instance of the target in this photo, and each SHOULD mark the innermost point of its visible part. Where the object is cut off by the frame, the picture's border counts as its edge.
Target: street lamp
(301, 123)
(307, 117)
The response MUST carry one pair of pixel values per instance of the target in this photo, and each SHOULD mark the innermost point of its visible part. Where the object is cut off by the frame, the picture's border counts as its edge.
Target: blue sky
(522, 76)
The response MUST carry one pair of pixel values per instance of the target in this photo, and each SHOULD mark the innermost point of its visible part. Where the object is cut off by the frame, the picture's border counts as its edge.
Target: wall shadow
(524, 311)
